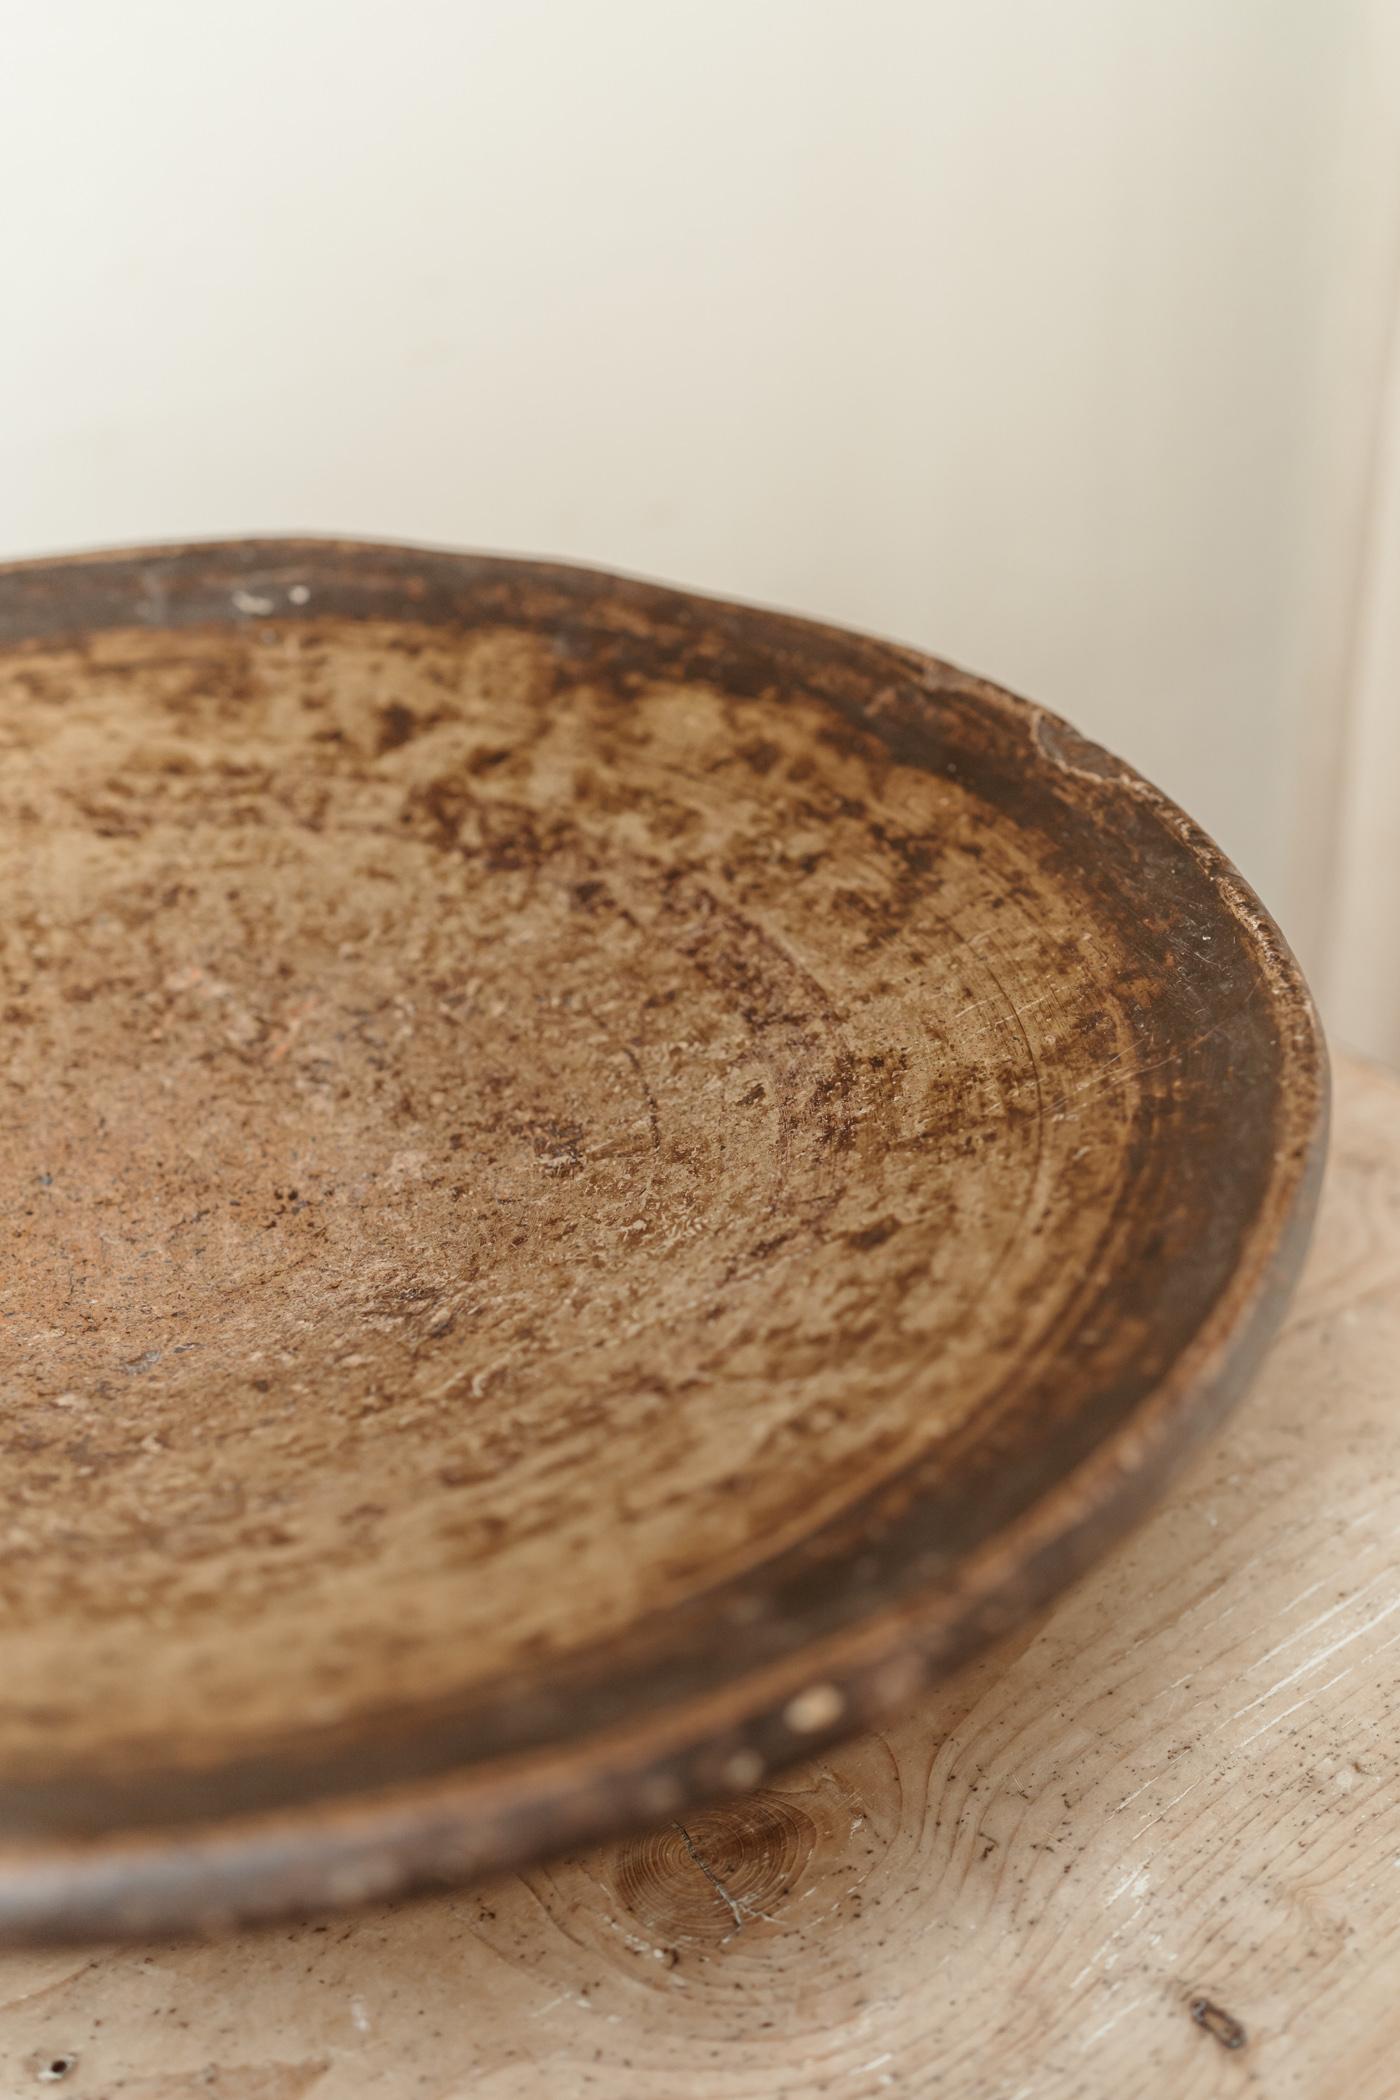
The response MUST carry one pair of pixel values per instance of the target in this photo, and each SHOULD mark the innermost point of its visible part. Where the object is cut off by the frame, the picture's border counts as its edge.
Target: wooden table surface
(1152, 1850)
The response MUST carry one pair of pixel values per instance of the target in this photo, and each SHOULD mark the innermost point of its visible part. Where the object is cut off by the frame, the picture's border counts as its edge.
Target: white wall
(994, 325)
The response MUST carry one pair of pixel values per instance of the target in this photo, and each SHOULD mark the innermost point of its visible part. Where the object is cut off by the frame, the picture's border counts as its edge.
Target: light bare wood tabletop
(1152, 1851)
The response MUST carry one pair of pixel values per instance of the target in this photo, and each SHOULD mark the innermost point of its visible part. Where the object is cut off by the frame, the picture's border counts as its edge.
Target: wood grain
(1180, 1792)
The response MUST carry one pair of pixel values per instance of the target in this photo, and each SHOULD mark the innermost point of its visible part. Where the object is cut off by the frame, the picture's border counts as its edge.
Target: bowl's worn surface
(597, 1182)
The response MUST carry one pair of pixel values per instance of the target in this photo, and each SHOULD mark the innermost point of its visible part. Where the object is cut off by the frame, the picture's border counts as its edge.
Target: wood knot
(725, 1870)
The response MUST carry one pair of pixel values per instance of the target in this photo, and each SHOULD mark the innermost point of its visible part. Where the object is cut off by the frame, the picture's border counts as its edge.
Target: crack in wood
(739, 1908)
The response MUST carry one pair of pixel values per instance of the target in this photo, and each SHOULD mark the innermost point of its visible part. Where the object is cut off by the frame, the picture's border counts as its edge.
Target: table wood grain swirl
(1154, 1849)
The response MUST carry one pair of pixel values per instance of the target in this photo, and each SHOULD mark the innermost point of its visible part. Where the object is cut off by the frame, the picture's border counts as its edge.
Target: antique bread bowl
(599, 1186)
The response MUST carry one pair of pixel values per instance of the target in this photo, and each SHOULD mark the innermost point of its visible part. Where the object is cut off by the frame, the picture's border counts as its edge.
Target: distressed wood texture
(1180, 1792)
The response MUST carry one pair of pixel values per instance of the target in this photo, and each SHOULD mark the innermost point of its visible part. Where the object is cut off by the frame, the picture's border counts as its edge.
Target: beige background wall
(1049, 336)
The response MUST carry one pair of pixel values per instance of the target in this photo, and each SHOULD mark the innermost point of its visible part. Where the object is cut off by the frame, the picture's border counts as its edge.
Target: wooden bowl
(601, 1185)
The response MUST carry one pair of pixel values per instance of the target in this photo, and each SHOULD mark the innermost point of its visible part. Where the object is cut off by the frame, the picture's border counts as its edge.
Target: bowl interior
(563, 1143)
